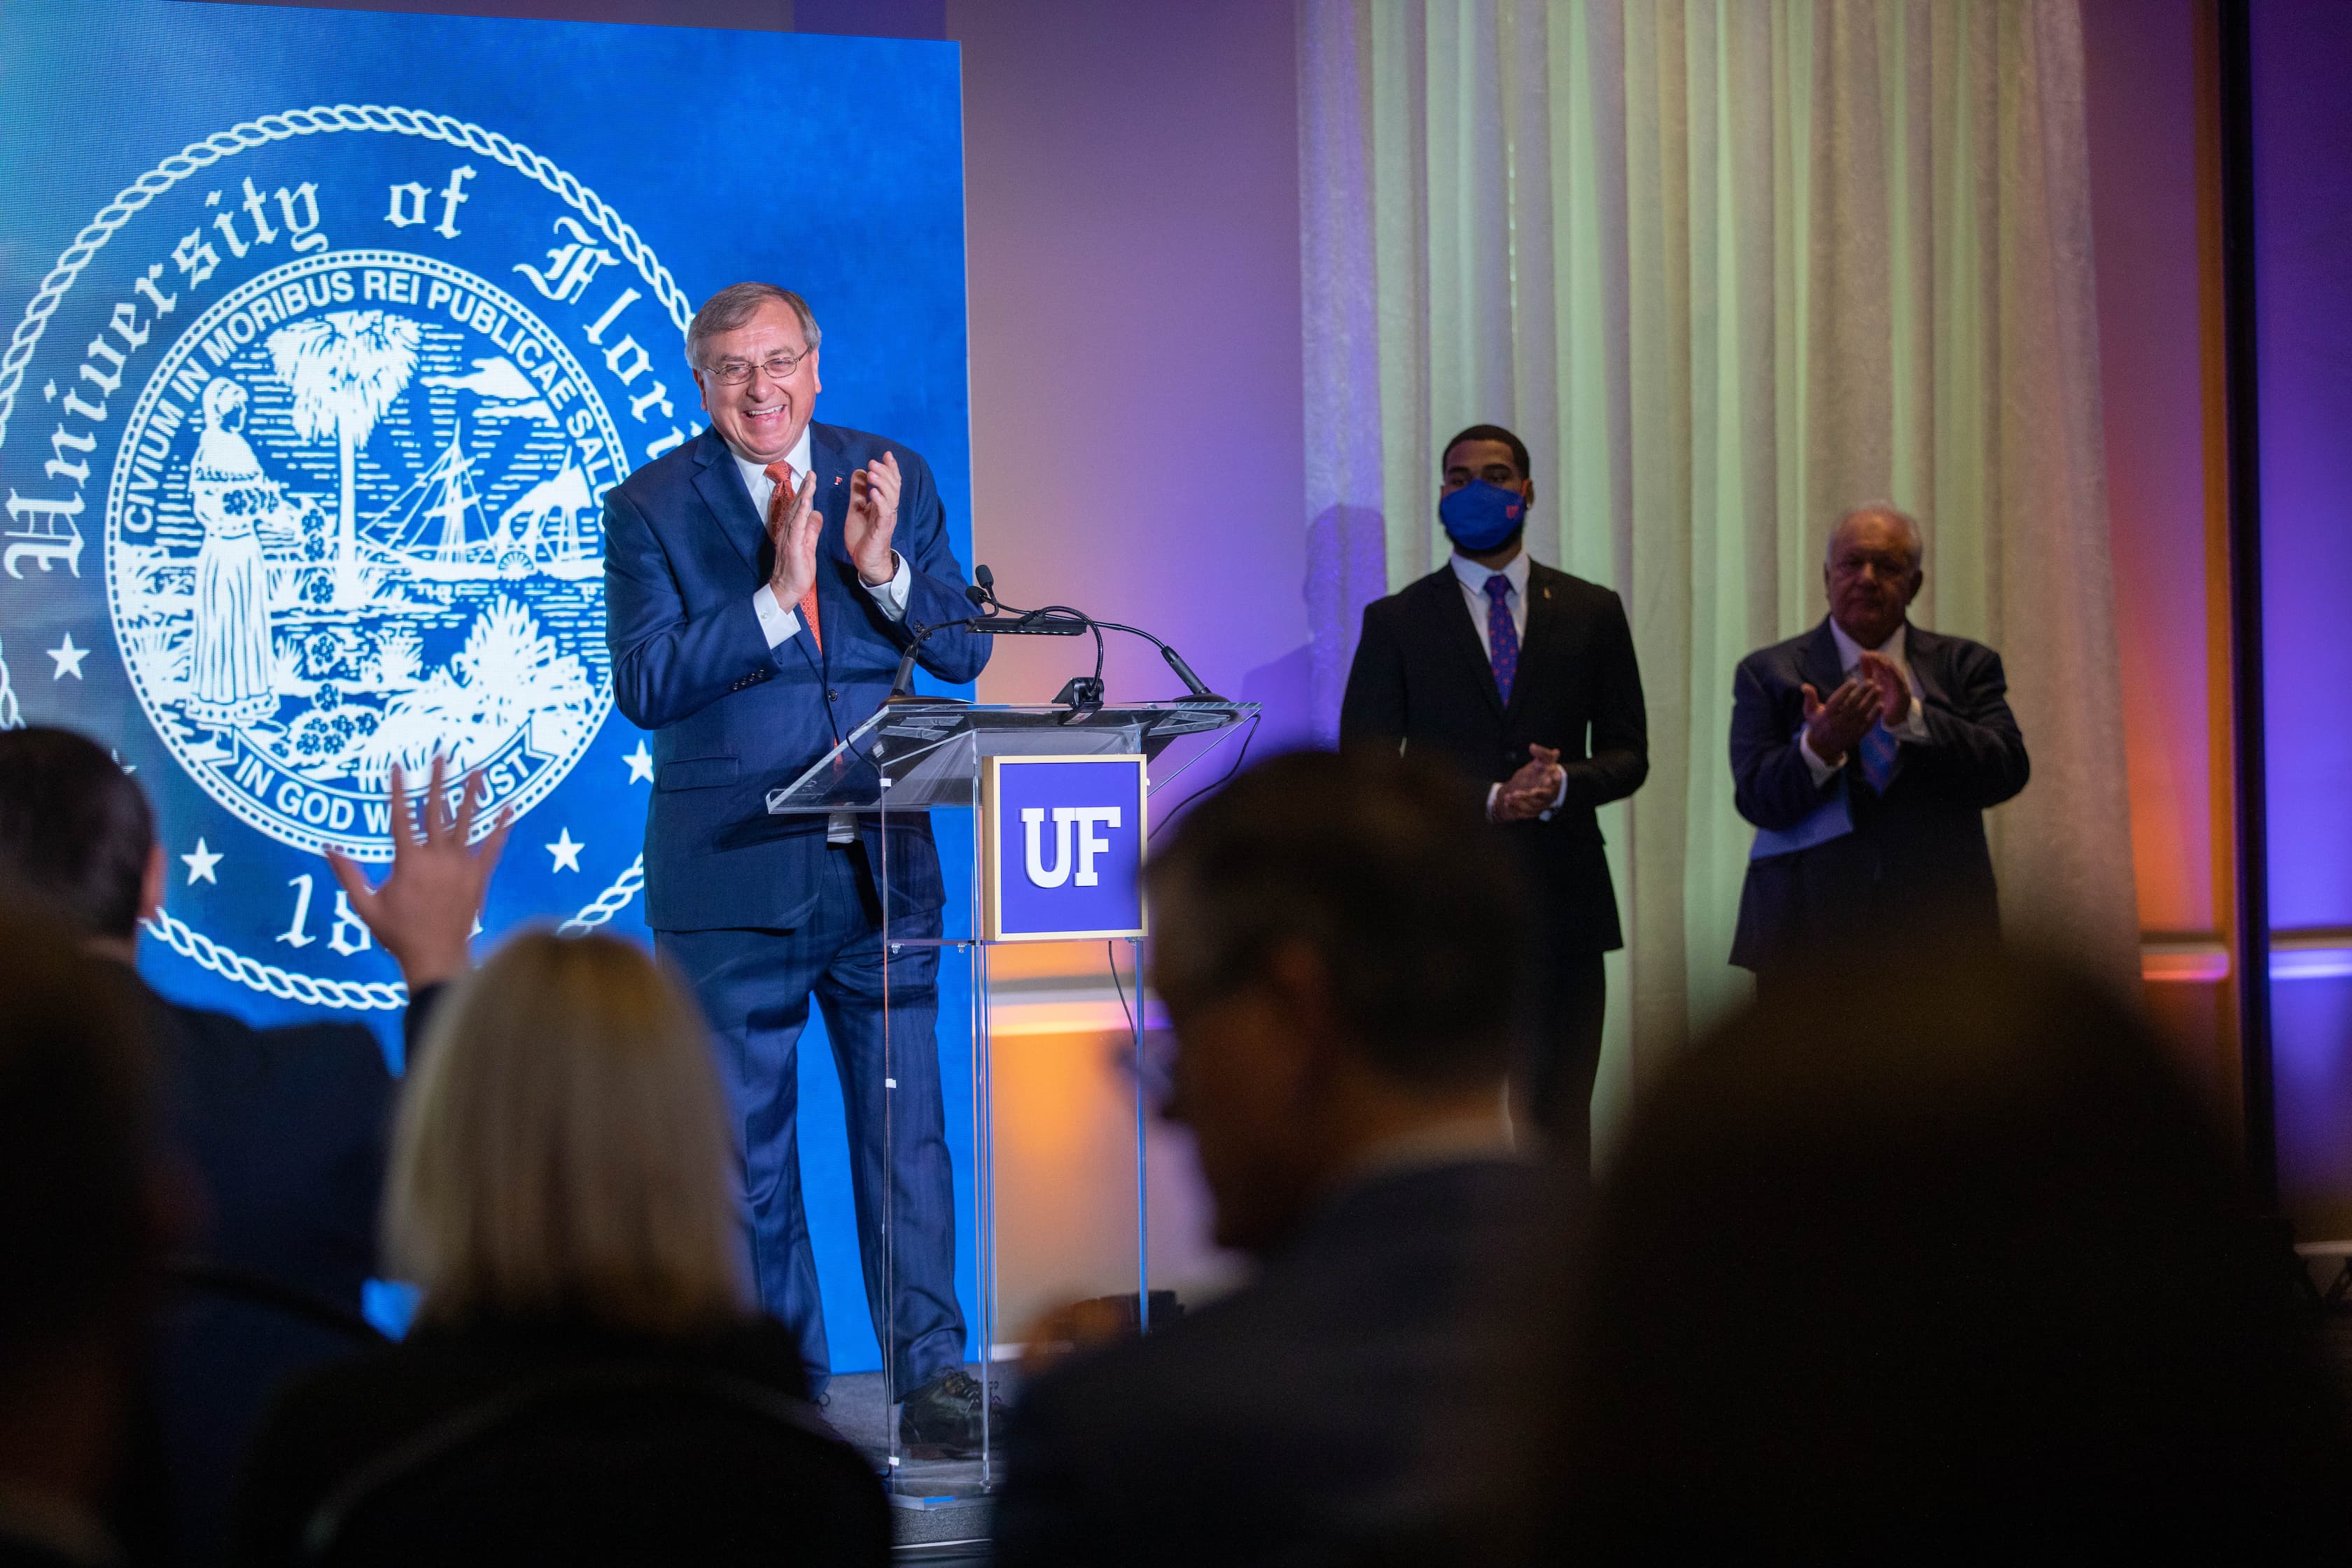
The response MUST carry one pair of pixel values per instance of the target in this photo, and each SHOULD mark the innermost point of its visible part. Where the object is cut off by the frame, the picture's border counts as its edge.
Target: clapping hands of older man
(1893, 690)
(1835, 727)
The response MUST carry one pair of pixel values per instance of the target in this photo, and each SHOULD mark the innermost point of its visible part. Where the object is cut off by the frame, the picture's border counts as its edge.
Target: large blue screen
(328, 332)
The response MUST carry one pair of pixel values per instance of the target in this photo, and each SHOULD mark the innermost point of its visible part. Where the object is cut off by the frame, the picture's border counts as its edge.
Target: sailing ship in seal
(441, 532)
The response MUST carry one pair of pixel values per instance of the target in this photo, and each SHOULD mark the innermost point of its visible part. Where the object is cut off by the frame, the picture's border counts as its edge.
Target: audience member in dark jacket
(79, 1235)
(283, 1131)
(1970, 1278)
(561, 1190)
(1340, 952)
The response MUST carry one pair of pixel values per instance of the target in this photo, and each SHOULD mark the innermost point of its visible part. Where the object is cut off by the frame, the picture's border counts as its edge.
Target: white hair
(1910, 524)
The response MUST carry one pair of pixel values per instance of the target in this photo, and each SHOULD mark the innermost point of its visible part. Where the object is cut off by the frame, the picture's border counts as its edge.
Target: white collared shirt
(1913, 727)
(1472, 578)
(777, 621)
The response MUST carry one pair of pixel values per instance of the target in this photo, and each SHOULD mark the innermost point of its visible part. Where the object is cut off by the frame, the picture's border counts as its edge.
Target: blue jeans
(755, 986)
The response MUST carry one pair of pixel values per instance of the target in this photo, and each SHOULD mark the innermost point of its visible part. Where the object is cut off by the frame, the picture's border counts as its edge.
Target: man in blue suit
(761, 582)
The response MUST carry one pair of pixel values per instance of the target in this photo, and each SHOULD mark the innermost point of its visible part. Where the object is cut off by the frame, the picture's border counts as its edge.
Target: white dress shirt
(1913, 727)
(777, 621)
(1472, 578)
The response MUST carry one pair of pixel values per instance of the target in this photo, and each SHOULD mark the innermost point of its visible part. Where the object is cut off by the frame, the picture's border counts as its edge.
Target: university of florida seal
(305, 442)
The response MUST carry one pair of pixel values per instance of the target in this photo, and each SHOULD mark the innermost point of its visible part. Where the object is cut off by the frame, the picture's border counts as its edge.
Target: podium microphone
(1035, 624)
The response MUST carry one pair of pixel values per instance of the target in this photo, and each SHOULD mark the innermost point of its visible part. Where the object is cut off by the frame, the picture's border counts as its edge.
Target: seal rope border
(10, 716)
(183, 938)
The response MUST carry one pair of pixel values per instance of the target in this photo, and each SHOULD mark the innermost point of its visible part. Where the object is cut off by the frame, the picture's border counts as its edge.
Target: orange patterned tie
(780, 501)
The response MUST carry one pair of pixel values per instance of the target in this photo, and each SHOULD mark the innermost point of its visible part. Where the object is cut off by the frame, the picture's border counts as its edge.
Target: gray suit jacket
(1917, 860)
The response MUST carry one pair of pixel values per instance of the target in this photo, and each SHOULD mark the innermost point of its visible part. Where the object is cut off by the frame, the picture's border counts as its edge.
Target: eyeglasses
(736, 372)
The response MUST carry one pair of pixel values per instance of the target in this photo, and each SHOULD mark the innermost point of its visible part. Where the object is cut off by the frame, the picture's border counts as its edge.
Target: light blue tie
(1879, 750)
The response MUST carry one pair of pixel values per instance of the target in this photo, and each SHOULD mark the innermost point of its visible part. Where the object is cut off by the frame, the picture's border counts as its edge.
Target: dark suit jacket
(326, 1426)
(1359, 1392)
(25, 1551)
(287, 1131)
(284, 1133)
(731, 718)
(1421, 677)
(1916, 858)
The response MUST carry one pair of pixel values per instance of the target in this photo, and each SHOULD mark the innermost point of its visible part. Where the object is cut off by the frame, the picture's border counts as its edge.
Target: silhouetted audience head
(80, 1224)
(1338, 943)
(76, 831)
(563, 1150)
(1959, 1263)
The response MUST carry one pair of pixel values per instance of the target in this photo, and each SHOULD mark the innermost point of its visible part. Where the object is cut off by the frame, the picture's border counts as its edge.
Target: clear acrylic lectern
(935, 755)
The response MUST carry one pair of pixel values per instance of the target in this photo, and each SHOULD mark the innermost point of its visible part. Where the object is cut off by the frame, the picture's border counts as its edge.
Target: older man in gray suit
(1867, 752)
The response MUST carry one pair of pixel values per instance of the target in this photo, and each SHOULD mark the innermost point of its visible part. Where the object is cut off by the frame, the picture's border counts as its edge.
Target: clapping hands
(1530, 791)
(1875, 692)
(794, 533)
(873, 517)
(1893, 691)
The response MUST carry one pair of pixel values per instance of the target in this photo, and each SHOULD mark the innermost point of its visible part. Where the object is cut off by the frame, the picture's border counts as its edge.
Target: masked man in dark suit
(760, 583)
(1866, 751)
(1525, 678)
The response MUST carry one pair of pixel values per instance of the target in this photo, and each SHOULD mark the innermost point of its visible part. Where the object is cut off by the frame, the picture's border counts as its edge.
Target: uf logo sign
(1063, 847)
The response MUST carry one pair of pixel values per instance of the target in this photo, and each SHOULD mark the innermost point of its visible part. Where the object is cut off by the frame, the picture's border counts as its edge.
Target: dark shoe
(942, 1420)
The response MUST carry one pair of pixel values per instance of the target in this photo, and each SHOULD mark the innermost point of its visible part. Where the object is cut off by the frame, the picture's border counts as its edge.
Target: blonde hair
(561, 1147)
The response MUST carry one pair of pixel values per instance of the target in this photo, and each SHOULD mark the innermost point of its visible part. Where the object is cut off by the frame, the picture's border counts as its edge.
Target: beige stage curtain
(1730, 267)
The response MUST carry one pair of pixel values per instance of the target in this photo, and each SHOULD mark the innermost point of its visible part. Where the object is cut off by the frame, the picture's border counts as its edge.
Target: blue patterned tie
(1502, 637)
(1878, 750)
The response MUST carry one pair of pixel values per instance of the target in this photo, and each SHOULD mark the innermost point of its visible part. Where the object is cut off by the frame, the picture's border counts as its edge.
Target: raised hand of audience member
(1835, 727)
(424, 909)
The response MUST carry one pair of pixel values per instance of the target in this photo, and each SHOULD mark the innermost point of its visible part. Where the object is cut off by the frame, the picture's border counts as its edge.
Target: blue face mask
(1479, 516)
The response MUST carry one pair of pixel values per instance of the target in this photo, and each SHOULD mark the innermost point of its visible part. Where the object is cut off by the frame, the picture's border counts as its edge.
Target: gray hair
(738, 303)
(1910, 526)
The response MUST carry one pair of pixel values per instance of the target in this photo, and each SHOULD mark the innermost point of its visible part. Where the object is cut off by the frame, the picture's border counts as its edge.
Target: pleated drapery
(1730, 267)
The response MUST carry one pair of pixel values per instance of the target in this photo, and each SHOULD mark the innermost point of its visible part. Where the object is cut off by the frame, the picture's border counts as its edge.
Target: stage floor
(936, 1502)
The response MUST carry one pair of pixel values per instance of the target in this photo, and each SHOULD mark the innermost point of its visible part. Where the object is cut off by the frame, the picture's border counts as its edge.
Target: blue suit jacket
(732, 719)
(1917, 855)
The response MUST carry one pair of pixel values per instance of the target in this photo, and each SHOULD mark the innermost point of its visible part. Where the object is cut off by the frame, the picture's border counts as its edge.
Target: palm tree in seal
(345, 368)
